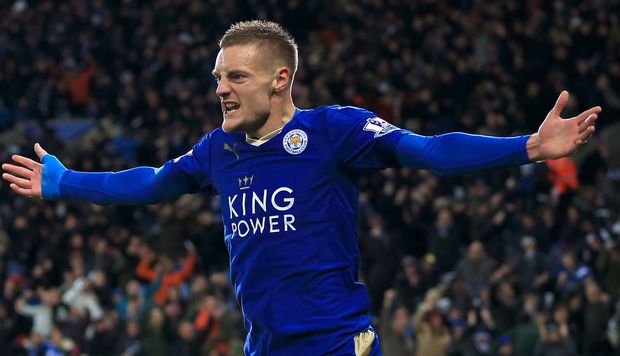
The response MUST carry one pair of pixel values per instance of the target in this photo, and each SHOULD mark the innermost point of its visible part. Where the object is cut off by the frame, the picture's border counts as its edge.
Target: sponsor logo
(295, 141)
(231, 149)
(379, 126)
(254, 213)
(246, 182)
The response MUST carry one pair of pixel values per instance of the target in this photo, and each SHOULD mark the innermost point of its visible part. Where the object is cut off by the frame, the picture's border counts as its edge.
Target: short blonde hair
(265, 34)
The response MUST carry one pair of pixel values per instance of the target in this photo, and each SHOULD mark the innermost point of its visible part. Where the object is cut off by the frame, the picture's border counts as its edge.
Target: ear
(282, 79)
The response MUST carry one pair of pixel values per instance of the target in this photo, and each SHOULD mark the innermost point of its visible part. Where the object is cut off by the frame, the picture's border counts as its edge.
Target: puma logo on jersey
(231, 149)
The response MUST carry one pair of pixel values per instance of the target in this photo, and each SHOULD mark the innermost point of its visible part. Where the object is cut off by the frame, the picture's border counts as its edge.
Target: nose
(223, 88)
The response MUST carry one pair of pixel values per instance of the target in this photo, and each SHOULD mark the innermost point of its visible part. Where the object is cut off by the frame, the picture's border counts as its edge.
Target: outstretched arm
(51, 180)
(457, 153)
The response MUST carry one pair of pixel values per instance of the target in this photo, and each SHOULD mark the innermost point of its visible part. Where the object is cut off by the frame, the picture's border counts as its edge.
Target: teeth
(231, 106)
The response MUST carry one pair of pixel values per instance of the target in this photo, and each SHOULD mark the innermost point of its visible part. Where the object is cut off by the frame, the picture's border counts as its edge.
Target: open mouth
(230, 108)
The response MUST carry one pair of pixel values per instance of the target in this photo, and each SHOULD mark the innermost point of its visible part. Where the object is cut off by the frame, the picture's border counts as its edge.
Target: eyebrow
(232, 72)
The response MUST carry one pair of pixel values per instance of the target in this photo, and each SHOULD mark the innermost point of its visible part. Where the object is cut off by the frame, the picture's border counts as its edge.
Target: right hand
(189, 246)
(25, 178)
(389, 296)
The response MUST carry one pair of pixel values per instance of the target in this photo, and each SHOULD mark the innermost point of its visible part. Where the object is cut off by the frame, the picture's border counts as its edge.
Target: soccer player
(288, 184)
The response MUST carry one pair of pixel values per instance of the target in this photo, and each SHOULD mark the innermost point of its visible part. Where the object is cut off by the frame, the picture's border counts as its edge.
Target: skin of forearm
(533, 148)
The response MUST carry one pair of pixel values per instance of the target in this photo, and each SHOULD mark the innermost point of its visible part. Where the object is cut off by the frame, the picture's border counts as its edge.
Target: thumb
(561, 102)
(39, 151)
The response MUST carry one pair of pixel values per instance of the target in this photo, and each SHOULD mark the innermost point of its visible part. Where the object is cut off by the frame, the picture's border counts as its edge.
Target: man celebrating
(288, 185)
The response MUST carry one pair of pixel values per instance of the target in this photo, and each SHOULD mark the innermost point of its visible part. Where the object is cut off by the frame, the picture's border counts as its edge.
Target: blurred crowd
(521, 261)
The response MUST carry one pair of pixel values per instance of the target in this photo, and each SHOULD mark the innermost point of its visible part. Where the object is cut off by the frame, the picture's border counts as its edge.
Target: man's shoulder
(335, 116)
(338, 110)
(217, 135)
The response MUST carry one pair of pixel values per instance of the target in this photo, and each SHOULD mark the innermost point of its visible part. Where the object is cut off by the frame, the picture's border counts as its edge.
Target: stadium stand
(522, 261)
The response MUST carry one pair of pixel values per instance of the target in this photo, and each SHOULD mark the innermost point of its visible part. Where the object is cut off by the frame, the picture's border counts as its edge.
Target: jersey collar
(259, 141)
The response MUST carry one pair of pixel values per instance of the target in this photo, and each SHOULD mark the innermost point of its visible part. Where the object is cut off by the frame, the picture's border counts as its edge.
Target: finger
(27, 162)
(21, 182)
(17, 170)
(21, 191)
(39, 151)
(561, 102)
(585, 135)
(587, 122)
(584, 115)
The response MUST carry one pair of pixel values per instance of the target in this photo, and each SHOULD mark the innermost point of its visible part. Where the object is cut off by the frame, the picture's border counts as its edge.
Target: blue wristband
(53, 170)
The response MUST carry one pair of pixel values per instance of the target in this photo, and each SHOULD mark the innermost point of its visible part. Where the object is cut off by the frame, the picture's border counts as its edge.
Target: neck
(276, 120)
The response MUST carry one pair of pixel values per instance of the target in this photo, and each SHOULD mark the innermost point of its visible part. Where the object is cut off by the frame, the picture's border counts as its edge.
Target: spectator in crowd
(432, 335)
(577, 318)
(81, 296)
(396, 338)
(504, 307)
(530, 269)
(131, 341)
(571, 275)
(561, 318)
(444, 235)
(74, 325)
(458, 327)
(137, 300)
(480, 331)
(185, 343)
(411, 282)
(105, 339)
(595, 314)
(41, 311)
(157, 333)
(563, 175)
(170, 277)
(475, 270)
(554, 342)
(526, 332)
(608, 263)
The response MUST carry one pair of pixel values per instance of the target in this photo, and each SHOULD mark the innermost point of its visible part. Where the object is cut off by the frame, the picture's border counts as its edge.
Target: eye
(236, 77)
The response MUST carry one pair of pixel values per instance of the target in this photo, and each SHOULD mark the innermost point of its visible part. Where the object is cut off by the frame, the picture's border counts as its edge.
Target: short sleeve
(360, 139)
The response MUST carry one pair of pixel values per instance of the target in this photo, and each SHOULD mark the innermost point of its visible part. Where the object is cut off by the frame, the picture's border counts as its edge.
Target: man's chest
(285, 162)
(272, 183)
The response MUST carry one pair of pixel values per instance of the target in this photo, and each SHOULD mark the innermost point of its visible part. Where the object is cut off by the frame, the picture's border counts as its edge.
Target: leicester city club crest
(295, 141)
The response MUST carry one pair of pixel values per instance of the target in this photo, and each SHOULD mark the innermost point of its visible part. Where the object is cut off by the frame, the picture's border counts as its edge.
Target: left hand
(25, 178)
(558, 137)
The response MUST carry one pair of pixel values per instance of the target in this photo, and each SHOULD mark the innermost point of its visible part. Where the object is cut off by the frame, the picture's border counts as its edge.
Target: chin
(230, 127)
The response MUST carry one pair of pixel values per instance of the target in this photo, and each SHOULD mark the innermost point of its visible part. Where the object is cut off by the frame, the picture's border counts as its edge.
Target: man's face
(569, 262)
(475, 251)
(245, 86)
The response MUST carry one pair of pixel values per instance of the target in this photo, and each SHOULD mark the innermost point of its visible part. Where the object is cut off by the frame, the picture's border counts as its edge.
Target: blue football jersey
(289, 208)
(290, 213)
